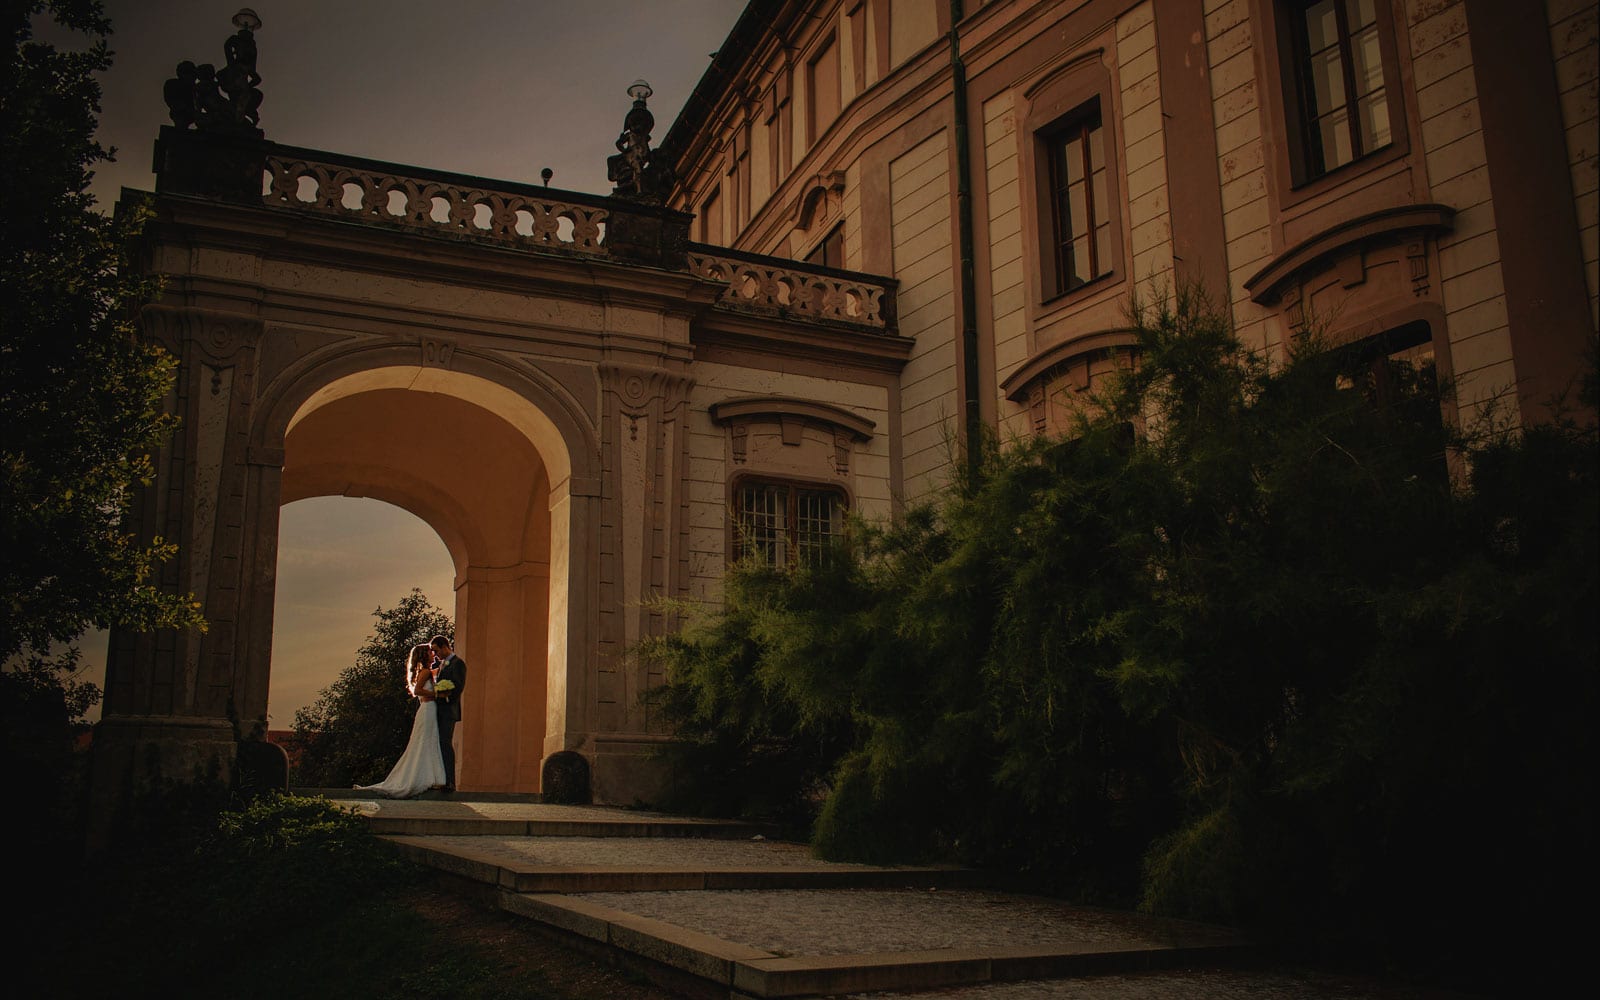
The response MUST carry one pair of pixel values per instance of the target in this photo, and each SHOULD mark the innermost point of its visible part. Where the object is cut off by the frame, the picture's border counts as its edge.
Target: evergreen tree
(1270, 644)
(358, 726)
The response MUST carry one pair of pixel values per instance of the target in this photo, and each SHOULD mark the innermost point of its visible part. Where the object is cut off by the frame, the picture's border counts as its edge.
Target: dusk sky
(496, 88)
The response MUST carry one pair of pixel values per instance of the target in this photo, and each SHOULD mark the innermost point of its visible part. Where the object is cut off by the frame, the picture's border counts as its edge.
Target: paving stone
(1187, 984)
(849, 921)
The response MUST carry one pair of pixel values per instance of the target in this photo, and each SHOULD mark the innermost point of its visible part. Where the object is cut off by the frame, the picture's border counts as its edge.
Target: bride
(421, 767)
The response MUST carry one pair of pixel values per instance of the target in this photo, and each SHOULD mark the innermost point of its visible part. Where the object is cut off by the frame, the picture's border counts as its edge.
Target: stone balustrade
(766, 284)
(434, 205)
(520, 216)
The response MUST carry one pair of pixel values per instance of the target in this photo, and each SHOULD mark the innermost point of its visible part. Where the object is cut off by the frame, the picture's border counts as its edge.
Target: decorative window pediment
(1391, 225)
(792, 417)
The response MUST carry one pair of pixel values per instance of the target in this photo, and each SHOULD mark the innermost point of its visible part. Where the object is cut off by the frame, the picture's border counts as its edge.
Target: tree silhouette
(358, 726)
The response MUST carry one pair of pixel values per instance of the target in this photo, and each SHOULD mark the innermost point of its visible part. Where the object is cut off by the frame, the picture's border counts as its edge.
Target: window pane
(1327, 81)
(761, 516)
(1334, 132)
(1374, 112)
(1102, 249)
(1367, 61)
(1322, 26)
(1079, 267)
(1097, 149)
(816, 521)
(1360, 13)
(1098, 186)
(1077, 221)
(1072, 154)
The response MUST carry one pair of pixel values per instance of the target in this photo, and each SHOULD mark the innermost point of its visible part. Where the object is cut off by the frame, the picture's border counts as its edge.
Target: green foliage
(284, 892)
(358, 726)
(81, 398)
(42, 705)
(1269, 644)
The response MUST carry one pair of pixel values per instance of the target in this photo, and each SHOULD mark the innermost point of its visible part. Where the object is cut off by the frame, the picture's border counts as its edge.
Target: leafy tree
(358, 726)
(81, 410)
(80, 395)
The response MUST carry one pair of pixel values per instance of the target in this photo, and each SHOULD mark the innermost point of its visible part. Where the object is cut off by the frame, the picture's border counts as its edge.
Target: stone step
(617, 864)
(356, 793)
(758, 917)
(789, 943)
(461, 817)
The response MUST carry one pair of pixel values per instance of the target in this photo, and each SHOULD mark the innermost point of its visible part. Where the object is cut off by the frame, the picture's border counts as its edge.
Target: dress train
(421, 767)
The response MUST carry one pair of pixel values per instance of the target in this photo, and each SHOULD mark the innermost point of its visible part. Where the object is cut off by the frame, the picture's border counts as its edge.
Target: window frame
(1286, 103)
(1078, 124)
(1062, 93)
(835, 237)
(828, 42)
(794, 486)
(713, 199)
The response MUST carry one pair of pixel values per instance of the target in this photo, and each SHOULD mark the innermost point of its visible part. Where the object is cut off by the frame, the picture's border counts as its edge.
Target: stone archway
(421, 441)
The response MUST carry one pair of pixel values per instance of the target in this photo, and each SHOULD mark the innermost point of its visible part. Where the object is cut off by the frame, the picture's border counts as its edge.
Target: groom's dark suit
(455, 671)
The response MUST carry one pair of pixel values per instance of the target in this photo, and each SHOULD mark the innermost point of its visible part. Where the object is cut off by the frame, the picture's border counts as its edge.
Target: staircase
(720, 909)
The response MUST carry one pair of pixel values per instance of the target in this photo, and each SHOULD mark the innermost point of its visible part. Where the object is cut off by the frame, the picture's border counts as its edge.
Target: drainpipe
(969, 281)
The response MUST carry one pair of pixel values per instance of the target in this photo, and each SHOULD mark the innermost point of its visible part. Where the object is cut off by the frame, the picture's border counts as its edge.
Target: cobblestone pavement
(1188, 984)
(645, 852)
(796, 922)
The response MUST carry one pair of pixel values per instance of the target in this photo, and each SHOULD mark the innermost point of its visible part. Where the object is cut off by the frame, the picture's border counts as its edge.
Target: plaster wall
(1574, 38)
(922, 237)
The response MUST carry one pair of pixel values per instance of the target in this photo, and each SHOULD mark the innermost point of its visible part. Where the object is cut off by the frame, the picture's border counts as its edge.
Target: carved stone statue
(239, 78)
(180, 94)
(636, 171)
(226, 101)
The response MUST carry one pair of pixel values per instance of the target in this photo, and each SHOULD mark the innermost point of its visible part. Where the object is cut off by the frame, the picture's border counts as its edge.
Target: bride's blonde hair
(413, 661)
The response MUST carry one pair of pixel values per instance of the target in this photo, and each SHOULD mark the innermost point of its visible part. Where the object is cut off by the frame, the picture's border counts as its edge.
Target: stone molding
(1411, 224)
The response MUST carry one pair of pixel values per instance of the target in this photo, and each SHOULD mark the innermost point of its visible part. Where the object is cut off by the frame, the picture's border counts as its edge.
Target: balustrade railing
(434, 205)
(520, 216)
(763, 284)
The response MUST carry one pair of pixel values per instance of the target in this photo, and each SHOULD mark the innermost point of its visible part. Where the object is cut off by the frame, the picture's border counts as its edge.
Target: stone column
(644, 553)
(177, 703)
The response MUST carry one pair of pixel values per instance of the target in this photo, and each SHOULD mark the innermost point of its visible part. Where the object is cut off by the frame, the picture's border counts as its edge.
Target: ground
(522, 949)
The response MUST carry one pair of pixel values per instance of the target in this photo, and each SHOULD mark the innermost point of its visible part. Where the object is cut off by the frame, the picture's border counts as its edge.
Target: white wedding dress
(421, 767)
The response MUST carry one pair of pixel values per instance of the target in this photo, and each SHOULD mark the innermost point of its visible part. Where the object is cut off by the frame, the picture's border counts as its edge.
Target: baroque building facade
(875, 226)
(1417, 176)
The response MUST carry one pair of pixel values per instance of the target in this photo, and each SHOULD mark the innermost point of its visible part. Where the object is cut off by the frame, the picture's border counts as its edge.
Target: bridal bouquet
(444, 687)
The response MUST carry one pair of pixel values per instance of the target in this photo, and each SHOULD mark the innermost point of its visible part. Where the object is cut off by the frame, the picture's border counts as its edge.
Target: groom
(452, 668)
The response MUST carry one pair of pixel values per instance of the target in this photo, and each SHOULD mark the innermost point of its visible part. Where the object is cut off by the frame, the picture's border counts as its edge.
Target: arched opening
(339, 559)
(488, 472)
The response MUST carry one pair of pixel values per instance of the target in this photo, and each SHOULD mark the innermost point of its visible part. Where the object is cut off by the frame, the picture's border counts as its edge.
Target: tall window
(1344, 102)
(822, 96)
(785, 524)
(1080, 210)
(830, 252)
(711, 218)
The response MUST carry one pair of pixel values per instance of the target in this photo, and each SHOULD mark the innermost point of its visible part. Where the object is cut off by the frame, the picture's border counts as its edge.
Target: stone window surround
(1058, 94)
(1271, 24)
(842, 500)
(792, 415)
